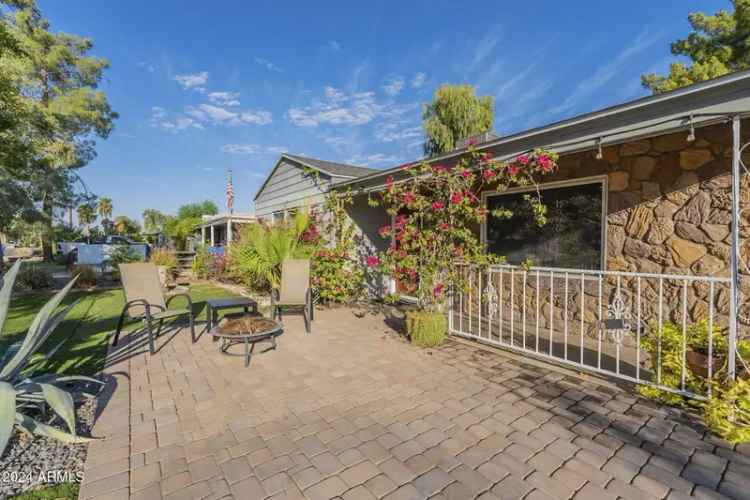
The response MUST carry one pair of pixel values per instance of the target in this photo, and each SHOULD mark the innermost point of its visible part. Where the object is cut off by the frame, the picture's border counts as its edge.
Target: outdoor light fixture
(599, 154)
(691, 134)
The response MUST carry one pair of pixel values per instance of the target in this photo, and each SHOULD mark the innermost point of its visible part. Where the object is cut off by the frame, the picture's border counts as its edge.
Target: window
(277, 217)
(572, 237)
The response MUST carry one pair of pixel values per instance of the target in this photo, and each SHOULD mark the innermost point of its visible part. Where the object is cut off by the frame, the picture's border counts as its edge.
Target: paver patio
(354, 413)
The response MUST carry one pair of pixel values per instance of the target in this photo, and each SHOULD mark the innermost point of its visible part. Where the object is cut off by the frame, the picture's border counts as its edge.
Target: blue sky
(202, 87)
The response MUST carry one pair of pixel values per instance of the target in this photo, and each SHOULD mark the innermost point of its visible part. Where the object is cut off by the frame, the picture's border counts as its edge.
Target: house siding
(290, 187)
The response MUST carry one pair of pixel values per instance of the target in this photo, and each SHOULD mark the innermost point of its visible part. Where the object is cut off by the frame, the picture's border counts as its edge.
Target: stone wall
(669, 201)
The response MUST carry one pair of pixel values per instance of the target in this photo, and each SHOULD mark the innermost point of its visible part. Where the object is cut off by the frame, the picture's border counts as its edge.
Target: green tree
(719, 44)
(67, 111)
(105, 207)
(86, 217)
(153, 220)
(125, 226)
(456, 112)
(196, 210)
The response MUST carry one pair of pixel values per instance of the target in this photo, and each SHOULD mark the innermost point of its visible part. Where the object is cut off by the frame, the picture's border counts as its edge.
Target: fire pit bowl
(247, 330)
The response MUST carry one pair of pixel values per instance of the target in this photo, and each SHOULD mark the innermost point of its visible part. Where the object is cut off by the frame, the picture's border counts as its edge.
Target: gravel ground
(30, 463)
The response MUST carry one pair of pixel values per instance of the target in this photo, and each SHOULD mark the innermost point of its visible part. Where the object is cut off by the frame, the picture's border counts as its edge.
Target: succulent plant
(21, 390)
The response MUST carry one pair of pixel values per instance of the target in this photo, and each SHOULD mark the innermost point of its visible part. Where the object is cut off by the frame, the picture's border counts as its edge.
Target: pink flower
(439, 169)
(372, 260)
(437, 291)
(457, 197)
(444, 226)
(466, 174)
(409, 198)
(438, 205)
(523, 159)
(384, 231)
(545, 164)
(488, 174)
(513, 170)
(400, 221)
(485, 157)
(471, 142)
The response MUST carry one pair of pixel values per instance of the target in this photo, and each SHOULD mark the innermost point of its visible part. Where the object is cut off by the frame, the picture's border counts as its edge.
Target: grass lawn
(67, 491)
(87, 328)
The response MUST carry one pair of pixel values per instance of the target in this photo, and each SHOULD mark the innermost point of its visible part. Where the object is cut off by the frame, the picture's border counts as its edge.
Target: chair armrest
(139, 302)
(185, 295)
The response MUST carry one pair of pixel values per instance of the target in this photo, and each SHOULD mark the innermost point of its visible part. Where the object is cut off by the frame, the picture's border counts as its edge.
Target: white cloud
(378, 159)
(268, 65)
(193, 81)
(390, 132)
(484, 48)
(147, 66)
(606, 72)
(252, 149)
(337, 109)
(224, 98)
(418, 80)
(217, 115)
(394, 86)
(159, 119)
(334, 46)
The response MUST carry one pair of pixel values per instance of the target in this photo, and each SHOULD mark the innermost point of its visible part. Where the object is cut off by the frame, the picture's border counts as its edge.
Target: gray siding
(290, 187)
(368, 220)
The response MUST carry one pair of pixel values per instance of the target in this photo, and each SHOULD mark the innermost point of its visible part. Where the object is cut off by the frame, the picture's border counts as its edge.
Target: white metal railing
(640, 327)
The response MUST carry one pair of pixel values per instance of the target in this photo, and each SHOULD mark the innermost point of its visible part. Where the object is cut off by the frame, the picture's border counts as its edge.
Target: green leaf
(8, 280)
(40, 429)
(7, 412)
(38, 328)
(61, 403)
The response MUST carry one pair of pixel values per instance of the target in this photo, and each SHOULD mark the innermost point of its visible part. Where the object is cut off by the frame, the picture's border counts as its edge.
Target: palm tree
(105, 208)
(86, 216)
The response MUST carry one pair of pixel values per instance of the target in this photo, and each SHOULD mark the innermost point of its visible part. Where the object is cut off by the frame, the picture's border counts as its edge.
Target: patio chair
(144, 300)
(295, 290)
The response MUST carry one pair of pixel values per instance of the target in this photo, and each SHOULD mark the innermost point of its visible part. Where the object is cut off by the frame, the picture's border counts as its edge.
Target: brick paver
(351, 411)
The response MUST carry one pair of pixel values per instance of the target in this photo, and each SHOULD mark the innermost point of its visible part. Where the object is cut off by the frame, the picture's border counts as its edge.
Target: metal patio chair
(144, 300)
(295, 290)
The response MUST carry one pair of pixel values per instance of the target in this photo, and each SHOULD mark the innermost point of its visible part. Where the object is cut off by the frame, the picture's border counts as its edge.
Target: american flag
(230, 193)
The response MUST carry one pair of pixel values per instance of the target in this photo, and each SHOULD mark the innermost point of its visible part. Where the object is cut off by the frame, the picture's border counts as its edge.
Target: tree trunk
(48, 233)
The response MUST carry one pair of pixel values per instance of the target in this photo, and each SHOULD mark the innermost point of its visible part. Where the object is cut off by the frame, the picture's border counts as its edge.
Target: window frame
(581, 181)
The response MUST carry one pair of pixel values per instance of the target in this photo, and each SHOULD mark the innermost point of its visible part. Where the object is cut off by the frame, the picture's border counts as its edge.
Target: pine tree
(60, 81)
(718, 45)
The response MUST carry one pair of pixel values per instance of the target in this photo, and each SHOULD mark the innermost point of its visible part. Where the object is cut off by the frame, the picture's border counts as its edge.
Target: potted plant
(435, 209)
(166, 264)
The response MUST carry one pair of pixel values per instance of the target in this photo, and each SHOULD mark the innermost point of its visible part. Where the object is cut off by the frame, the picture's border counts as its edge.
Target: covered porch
(218, 231)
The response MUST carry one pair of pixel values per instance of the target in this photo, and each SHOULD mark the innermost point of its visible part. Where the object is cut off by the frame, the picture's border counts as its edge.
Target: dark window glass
(571, 238)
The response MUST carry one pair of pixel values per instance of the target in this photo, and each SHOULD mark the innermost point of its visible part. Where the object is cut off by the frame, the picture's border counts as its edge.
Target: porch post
(735, 254)
(203, 235)
(229, 231)
(213, 242)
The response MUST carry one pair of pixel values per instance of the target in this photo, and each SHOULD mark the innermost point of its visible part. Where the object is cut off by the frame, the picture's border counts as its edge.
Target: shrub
(33, 277)
(87, 275)
(163, 257)
(124, 254)
(426, 328)
(200, 263)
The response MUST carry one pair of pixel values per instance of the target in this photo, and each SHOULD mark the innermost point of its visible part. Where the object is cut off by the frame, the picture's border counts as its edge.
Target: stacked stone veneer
(668, 212)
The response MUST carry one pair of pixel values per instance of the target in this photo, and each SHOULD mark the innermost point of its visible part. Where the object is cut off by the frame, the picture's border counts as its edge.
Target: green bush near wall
(426, 328)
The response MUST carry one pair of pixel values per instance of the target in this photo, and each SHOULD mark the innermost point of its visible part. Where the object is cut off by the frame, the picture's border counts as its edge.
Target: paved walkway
(353, 412)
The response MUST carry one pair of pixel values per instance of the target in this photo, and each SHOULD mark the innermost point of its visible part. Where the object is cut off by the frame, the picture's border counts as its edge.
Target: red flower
(486, 156)
(444, 226)
(513, 170)
(389, 182)
(523, 159)
(466, 174)
(400, 221)
(408, 198)
(457, 197)
(545, 164)
(439, 169)
(372, 260)
(471, 142)
(488, 174)
(384, 231)
(438, 290)
(438, 205)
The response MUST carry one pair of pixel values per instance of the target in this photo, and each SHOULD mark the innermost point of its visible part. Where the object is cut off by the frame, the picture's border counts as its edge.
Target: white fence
(669, 331)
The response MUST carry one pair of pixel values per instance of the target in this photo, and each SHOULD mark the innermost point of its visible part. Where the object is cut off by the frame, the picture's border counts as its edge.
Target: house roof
(706, 102)
(339, 171)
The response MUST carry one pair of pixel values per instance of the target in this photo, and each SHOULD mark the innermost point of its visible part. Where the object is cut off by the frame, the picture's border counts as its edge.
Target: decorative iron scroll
(618, 319)
(493, 300)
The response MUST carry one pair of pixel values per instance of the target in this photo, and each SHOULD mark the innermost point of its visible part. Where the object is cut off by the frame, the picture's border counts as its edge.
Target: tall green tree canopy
(719, 44)
(455, 113)
(197, 209)
(65, 111)
(105, 207)
(154, 221)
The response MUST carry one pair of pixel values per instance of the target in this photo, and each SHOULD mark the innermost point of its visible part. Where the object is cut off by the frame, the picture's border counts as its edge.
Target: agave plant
(20, 389)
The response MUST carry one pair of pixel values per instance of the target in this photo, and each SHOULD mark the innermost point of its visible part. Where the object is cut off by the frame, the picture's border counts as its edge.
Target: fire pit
(245, 329)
